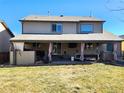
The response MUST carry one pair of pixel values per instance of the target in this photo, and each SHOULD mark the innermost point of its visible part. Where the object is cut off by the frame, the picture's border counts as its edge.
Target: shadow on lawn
(47, 64)
(117, 63)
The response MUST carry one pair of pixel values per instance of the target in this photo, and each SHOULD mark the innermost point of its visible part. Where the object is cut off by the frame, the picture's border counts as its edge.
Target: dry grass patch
(95, 78)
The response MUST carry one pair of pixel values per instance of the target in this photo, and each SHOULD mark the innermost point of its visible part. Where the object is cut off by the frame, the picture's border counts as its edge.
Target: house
(59, 38)
(5, 35)
(122, 44)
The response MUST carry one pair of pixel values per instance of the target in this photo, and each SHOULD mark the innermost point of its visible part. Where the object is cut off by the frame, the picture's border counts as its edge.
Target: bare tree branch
(116, 9)
(119, 10)
(121, 1)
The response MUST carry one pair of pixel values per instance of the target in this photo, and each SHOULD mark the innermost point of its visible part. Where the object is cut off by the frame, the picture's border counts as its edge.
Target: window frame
(57, 24)
(85, 32)
(70, 45)
(108, 47)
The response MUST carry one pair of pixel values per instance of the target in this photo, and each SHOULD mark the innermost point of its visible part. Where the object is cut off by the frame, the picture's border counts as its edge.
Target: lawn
(94, 78)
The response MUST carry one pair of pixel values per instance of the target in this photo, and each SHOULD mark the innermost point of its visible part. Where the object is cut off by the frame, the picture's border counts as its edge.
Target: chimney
(61, 15)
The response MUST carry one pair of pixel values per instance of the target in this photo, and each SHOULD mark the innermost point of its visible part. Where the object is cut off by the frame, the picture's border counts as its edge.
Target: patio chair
(77, 57)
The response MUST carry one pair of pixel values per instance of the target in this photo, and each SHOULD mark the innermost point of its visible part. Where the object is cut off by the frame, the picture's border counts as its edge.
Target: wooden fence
(4, 57)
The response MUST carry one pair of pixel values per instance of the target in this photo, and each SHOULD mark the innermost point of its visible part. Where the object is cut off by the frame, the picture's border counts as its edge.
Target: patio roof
(105, 36)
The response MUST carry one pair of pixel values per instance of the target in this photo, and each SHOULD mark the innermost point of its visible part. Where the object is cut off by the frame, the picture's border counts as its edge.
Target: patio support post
(104, 47)
(50, 52)
(17, 46)
(82, 51)
(115, 51)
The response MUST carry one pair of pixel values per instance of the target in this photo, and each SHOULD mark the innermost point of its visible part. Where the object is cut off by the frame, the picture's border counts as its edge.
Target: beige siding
(23, 58)
(46, 27)
(122, 46)
(37, 27)
(4, 39)
(68, 27)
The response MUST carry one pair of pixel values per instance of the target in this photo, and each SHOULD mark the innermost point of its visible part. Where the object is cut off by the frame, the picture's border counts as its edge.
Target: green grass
(95, 78)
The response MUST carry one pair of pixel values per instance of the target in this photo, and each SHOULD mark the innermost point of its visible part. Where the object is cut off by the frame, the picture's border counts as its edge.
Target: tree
(119, 5)
(116, 7)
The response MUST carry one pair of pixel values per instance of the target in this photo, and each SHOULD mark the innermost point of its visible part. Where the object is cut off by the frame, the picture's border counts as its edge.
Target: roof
(106, 36)
(122, 36)
(60, 18)
(8, 30)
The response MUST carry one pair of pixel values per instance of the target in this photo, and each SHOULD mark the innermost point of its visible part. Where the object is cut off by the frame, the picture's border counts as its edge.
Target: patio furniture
(72, 58)
(88, 57)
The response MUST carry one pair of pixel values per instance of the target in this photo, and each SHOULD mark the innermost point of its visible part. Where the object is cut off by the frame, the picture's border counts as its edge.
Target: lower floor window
(72, 45)
(110, 47)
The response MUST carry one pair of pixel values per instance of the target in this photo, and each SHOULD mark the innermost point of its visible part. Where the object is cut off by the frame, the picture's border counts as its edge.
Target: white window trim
(58, 24)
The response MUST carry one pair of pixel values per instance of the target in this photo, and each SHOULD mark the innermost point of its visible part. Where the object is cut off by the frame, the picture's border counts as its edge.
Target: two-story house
(62, 38)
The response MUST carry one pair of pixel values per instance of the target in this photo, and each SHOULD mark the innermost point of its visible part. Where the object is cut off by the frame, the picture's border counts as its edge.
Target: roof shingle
(60, 18)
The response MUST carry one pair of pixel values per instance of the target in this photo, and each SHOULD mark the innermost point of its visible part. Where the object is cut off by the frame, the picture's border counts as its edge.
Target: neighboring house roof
(105, 36)
(60, 18)
(7, 29)
(122, 36)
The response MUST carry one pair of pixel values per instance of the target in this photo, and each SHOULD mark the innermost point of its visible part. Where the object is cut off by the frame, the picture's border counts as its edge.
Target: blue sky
(13, 10)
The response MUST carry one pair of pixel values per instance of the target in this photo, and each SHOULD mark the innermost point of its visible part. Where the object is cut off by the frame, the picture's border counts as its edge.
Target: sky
(11, 11)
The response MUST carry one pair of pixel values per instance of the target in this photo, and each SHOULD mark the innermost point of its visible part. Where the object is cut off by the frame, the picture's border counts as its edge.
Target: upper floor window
(86, 28)
(57, 27)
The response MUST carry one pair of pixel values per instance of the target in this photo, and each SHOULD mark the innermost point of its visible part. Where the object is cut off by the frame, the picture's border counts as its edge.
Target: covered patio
(64, 51)
(31, 49)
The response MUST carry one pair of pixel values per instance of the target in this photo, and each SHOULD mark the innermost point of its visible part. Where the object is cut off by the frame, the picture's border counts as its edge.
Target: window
(86, 28)
(57, 27)
(72, 45)
(110, 47)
